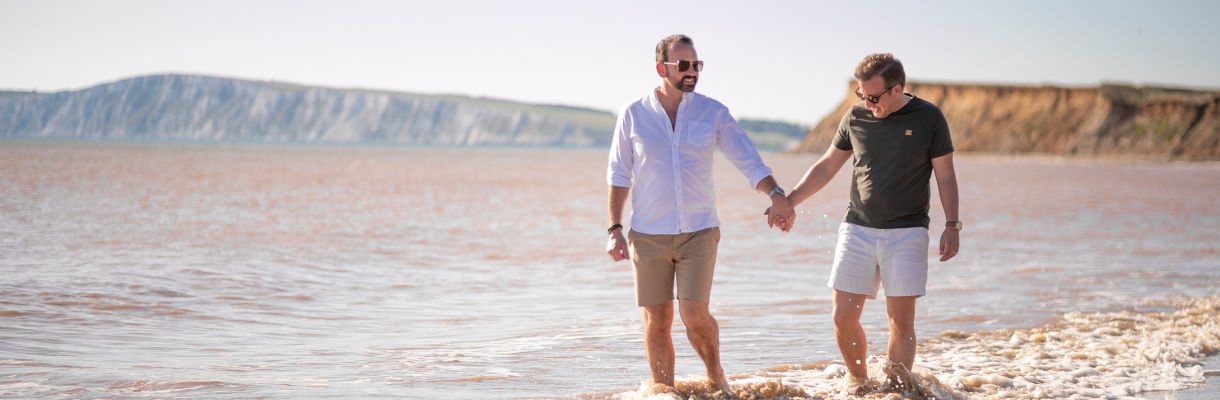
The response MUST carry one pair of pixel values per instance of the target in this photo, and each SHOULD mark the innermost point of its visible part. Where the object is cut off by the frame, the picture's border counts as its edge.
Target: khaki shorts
(658, 259)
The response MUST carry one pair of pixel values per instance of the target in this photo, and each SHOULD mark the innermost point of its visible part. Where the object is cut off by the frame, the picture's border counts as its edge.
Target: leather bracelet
(613, 227)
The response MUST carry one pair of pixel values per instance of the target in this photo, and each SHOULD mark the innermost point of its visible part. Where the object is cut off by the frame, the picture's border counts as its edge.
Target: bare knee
(847, 315)
(695, 315)
(901, 313)
(901, 322)
(902, 328)
(658, 318)
(846, 319)
(847, 309)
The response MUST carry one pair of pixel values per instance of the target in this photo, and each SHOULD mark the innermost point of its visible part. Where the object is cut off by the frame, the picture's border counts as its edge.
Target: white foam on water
(1085, 355)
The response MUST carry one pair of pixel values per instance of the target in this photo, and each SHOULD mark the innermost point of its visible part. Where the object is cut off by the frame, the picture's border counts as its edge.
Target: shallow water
(134, 270)
(1118, 355)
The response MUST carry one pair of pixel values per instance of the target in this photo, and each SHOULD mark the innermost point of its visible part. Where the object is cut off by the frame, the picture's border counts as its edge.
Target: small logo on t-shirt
(908, 133)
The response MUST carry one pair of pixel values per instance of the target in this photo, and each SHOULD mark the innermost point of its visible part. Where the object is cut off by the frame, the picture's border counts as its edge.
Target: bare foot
(857, 385)
(725, 390)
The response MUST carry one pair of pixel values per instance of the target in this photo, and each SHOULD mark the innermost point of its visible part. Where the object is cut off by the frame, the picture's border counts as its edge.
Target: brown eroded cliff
(1110, 120)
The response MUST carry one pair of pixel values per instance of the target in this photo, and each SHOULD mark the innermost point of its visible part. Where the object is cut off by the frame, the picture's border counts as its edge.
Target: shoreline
(1123, 159)
(1171, 352)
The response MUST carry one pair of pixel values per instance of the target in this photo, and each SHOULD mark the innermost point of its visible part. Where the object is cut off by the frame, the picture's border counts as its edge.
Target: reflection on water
(241, 271)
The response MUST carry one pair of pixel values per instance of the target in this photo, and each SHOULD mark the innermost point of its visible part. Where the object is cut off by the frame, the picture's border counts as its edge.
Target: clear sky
(785, 60)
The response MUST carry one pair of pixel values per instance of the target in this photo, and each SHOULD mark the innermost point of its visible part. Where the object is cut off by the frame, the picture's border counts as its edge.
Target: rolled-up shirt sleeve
(619, 170)
(739, 149)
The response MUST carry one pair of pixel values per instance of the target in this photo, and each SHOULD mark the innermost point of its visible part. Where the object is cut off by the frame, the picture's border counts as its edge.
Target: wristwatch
(954, 225)
(777, 190)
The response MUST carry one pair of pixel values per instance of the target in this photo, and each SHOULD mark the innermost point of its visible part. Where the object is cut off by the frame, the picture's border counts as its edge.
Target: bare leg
(848, 332)
(901, 310)
(704, 336)
(658, 343)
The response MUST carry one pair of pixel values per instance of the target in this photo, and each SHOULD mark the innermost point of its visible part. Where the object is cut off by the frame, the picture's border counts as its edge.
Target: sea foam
(1084, 355)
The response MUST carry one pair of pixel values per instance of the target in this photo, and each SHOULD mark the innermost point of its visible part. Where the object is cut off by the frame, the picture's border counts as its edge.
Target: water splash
(1090, 355)
(699, 388)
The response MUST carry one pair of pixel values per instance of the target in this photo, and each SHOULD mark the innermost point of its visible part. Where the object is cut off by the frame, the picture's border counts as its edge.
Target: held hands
(781, 214)
(616, 246)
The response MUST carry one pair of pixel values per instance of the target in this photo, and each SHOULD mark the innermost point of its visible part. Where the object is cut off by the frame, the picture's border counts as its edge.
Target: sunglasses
(873, 99)
(685, 65)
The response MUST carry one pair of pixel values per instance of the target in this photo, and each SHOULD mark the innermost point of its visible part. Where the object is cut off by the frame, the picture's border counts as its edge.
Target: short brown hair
(664, 45)
(883, 64)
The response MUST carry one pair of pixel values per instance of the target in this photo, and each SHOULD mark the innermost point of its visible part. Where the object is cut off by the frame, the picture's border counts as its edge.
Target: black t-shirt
(892, 163)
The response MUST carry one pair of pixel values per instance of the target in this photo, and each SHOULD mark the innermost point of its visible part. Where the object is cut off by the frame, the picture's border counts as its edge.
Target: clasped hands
(780, 214)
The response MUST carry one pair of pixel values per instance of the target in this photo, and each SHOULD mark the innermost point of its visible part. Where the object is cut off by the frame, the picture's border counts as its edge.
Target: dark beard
(684, 88)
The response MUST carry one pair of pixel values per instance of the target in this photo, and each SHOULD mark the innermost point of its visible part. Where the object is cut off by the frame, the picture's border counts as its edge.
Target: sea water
(238, 271)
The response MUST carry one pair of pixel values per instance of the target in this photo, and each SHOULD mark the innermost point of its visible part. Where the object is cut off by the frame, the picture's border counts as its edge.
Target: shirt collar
(656, 100)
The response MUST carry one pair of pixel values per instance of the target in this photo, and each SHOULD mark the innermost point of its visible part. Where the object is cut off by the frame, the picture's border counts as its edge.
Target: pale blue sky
(786, 60)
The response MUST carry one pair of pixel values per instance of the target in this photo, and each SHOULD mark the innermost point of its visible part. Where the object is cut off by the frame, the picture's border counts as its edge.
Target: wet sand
(1128, 354)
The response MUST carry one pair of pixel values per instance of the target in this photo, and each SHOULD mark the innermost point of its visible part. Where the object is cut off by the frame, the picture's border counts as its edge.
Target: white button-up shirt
(669, 167)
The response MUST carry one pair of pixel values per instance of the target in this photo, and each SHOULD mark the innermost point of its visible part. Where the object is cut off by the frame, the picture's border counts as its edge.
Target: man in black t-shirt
(896, 142)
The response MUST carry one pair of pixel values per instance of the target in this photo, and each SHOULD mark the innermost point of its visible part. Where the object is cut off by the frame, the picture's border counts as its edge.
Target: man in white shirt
(663, 146)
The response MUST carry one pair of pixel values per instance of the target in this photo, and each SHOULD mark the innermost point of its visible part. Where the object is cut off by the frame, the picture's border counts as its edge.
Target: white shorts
(866, 258)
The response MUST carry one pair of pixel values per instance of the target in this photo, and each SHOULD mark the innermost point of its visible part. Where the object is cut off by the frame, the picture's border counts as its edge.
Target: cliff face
(1109, 120)
(201, 108)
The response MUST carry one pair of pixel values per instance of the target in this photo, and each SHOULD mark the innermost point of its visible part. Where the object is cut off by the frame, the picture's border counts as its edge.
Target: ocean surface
(133, 270)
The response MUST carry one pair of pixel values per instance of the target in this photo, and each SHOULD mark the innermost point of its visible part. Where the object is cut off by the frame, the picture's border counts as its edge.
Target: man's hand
(616, 246)
(780, 214)
(949, 244)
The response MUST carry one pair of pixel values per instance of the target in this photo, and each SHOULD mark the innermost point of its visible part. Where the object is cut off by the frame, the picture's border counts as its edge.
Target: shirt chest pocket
(701, 134)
